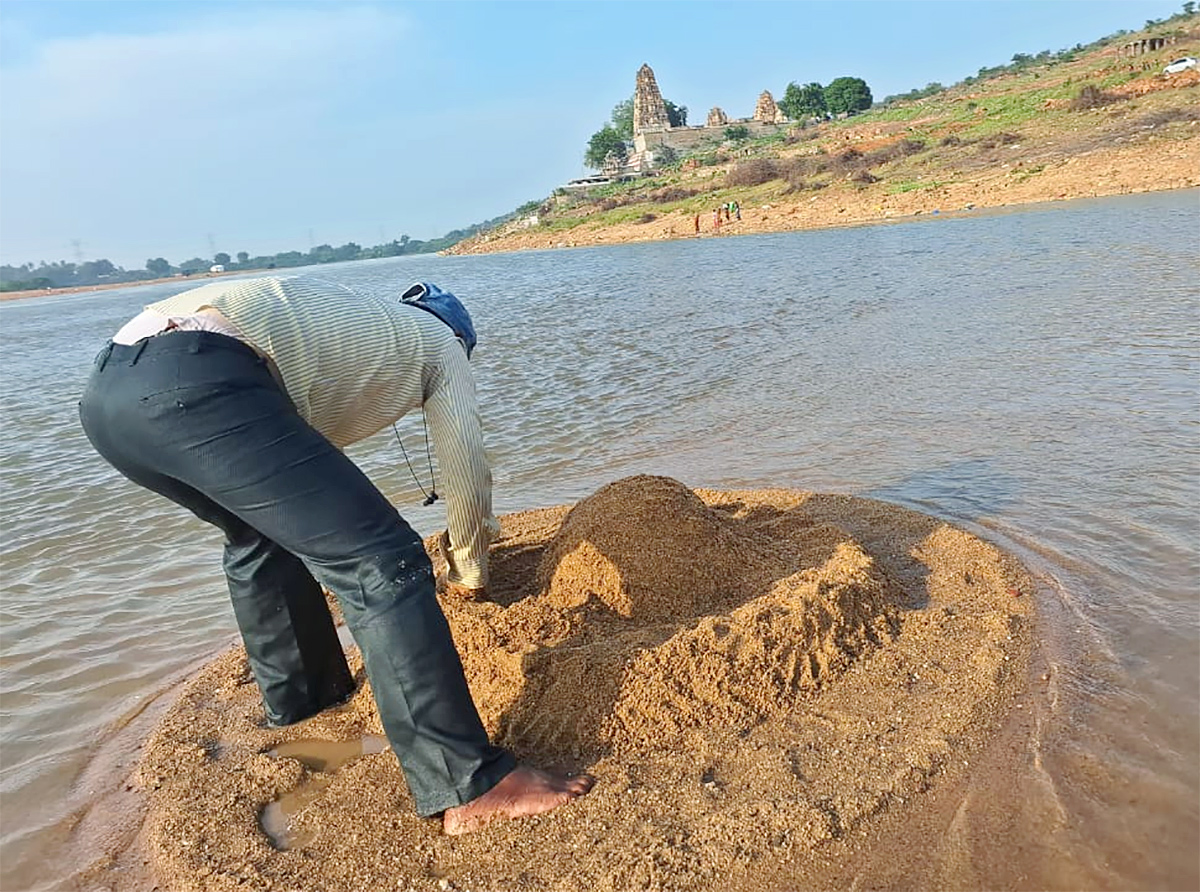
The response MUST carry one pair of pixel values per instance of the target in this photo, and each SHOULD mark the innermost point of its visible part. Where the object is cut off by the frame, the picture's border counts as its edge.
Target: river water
(1033, 376)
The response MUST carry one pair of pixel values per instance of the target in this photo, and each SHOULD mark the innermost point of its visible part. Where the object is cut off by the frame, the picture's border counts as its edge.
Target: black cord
(431, 496)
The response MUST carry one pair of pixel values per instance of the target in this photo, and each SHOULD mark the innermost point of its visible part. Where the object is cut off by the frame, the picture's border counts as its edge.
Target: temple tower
(649, 110)
(766, 110)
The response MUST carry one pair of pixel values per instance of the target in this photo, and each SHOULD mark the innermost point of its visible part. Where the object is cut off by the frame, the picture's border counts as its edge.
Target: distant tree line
(63, 274)
(842, 96)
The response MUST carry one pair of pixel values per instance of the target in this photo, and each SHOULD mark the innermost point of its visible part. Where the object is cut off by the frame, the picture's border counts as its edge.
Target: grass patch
(559, 223)
(914, 186)
(1021, 174)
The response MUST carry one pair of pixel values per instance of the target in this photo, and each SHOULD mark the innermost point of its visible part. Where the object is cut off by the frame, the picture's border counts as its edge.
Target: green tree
(1189, 8)
(665, 156)
(158, 267)
(800, 102)
(348, 251)
(94, 270)
(604, 141)
(622, 118)
(847, 94)
(222, 258)
(243, 257)
(321, 254)
(737, 133)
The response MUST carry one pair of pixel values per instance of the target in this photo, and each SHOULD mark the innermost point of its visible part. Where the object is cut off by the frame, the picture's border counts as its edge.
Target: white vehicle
(1180, 65)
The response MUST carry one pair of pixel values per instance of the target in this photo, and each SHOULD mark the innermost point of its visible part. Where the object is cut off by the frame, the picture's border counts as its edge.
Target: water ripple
(1033, 374)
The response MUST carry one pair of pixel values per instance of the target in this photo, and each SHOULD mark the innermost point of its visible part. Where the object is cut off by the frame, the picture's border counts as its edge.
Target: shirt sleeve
(457, 432)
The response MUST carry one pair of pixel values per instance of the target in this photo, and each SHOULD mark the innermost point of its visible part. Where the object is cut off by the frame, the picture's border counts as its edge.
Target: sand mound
(615, 546)
(671, 616)
(749, 675)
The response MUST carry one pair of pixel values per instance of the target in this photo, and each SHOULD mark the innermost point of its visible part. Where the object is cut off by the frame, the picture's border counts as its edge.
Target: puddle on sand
(324, 758)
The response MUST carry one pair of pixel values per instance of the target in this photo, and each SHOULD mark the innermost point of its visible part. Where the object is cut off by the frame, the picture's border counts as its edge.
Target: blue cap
(446, 307)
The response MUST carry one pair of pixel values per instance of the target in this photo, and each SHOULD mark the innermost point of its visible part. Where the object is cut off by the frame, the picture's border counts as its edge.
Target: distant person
(235, 400)
(697, 224)
(737, 210)
(717, 220)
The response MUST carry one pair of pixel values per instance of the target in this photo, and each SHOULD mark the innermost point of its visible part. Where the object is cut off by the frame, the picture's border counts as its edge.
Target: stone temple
(652, 128)
(649, 110)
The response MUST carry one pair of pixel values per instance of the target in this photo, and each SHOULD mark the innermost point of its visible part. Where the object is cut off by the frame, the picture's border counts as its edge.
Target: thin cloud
(108, 135)
(209, 70)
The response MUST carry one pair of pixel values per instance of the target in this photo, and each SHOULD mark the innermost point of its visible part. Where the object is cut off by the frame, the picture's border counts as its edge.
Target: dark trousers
(198, 418)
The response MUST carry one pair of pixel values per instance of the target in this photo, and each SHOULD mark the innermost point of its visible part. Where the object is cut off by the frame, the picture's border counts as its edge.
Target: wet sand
(762, 682)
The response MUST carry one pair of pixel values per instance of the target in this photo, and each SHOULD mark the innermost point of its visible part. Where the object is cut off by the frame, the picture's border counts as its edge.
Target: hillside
(1096, 124)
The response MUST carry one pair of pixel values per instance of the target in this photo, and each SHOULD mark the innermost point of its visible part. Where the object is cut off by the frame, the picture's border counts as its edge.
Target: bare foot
(523, 791)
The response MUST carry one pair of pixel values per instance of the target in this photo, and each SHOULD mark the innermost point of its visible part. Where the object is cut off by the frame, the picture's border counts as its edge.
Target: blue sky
(177, 129)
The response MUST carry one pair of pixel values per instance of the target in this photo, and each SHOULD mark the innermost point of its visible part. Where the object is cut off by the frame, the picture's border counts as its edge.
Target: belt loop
(197, 342)
(103, 356)
(141, 345)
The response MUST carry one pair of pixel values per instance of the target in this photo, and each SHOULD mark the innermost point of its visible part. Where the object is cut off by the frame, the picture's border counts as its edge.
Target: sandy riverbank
(1104, 171)
(758, 680)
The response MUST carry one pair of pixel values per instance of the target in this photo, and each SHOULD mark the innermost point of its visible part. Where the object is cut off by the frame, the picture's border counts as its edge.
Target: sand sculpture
(753, 677)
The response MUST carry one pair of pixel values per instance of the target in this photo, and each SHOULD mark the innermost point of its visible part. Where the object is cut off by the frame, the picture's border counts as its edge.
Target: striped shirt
(353, 362)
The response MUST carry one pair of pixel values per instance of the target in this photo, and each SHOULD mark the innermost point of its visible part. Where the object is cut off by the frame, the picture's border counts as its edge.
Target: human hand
(455, 589)
(458, 591)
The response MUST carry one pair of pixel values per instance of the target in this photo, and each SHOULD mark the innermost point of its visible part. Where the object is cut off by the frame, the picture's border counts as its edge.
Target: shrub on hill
(862, 177)
(894, 151)
(672, 193)
(845, 162)
(754, 172)
(1090, 96)
(999, 139)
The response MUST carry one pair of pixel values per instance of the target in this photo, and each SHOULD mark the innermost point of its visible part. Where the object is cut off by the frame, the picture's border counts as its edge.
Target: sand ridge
(752, 676)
